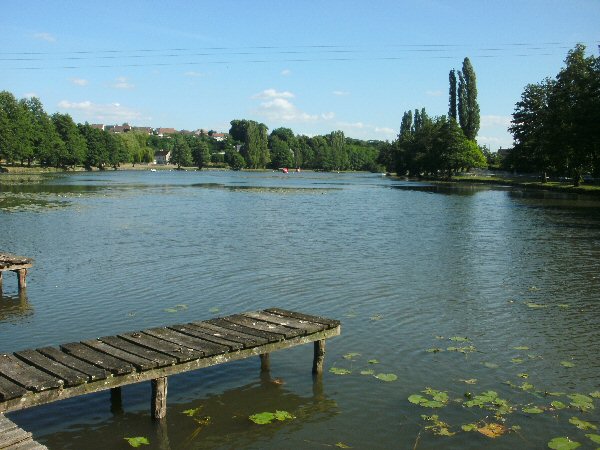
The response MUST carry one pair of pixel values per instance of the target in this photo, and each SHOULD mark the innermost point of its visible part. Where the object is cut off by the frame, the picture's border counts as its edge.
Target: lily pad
(492, 430)
(438, 427)
(533, 410)
(351, 355)
(490, 400)
(491, 365)
(563, 443)
(582, 424)
(593, 437)
(367, 372)
(469, 381)
(191, 412)
(536, 305)
(517, 360)
(342, 445)
(521, 347)
(469, 427)
(523, 375)
(170, 310)
(437, 399)
(567, 364)
(264, 418)
(214, 310)
(583, 402)
(434, 350)
(340, 371)
(595, 394)
(464, 350)
(386, 377)
(376, 317)
(526, 386)
(558, 404)
(373, 361)
(459, 339)
(137, 441)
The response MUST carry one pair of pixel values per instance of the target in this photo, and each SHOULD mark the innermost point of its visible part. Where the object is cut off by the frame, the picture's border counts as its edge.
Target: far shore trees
(555, 124)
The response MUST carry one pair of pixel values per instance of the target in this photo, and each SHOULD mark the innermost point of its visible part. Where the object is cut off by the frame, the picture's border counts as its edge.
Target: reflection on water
(405, 269)
(14, 308)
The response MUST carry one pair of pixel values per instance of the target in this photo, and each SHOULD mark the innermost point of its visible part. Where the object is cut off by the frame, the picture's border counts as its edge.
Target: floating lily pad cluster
(497, 410)
(368, 371)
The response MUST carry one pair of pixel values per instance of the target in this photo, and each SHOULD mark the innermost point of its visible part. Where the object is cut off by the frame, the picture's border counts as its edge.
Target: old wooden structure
(38, 376)
(14, 438)
(17, 264)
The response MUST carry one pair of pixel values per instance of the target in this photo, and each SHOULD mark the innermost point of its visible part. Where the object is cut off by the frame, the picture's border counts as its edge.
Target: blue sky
(312, 66)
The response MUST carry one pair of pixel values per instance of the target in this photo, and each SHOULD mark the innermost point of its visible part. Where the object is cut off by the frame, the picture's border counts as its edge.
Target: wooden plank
(10, 390)
(196, 332)
(331, 323)
(100, 359)
(6, 424)
(182, 354)
(13, 437)
(27, 376)
(307, 327)
(206, 347)
(28, 444)
(161, 359)
(93, 373)
(265, 326)
(69, 376)
(269, 337)
(248, 340)
(138, 362)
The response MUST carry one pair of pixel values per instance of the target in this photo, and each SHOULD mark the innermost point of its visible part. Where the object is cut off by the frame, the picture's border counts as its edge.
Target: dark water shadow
(215, 421)
(444, 189)
(261, 189)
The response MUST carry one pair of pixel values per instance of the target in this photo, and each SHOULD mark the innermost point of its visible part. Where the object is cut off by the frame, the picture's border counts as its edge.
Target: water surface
(405, 266)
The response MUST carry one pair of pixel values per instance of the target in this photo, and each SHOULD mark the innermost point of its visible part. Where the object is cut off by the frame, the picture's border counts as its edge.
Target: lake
(456, 290)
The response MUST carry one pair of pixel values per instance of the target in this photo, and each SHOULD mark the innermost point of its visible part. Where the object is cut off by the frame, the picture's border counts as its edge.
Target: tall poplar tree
(468, 108)
(452, 91)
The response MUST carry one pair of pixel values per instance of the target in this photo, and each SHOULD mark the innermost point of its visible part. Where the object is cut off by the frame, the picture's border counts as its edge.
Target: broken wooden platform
(17, 264)
(37, 376)
(14, 438)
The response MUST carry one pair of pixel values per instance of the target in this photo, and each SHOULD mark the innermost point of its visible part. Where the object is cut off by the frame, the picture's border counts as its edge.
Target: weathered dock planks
(37, 376)
(14, 438)
(17, 264)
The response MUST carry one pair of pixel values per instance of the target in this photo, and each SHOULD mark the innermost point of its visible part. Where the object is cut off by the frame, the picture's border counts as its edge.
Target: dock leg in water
(319, 356)
(22, 279)
(116, 401)
(159, 398)
(265, 362)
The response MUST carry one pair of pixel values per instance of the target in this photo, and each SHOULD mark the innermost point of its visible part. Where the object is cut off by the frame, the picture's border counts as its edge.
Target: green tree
(235, 160)
(452, 113)
(97, 153)
(254, 139)
(181, 154)
(15, 129)
(200, 152)
(468, 108)
(73, 149)
(43, 136)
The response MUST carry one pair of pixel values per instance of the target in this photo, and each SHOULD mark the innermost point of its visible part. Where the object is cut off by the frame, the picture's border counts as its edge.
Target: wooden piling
(22, 278)
(159, 398)
(265, 362)
(319, 356)
(116, 401)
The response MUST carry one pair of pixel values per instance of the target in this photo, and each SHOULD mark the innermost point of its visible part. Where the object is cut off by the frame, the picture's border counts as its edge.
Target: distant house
(162, 131)
(219, 136)
(146, 130)
(162, 157)
(504, 152)
(98, 126)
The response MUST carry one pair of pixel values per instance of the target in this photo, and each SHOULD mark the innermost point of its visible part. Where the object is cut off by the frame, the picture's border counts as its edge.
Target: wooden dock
(17, 264)
(37, 376)
(14, 438)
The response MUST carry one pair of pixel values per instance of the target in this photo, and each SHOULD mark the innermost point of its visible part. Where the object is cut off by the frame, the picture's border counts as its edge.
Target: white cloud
(79, 81)
(286, 72)
(361, 130)
(340, 93)
(434, 93)
(122, 83)
(492, 121)
(327, 115)
(106, 113)
(282, 110)
(45, 37)
(385, 131)
(272, 93)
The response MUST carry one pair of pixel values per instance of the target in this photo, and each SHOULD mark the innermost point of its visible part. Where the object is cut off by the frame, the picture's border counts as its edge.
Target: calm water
(405, 266)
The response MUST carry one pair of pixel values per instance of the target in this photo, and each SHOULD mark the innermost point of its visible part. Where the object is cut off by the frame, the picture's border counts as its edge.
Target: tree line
(556, 124)
(443, 145)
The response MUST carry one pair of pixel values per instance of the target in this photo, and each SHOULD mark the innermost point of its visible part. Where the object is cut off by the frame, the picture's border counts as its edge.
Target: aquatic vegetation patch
(351, 356)
(437, 426)
(582, 402)
(563, 443)
(340, 371)
(434, 399)
(386, 377)
(582, 424)
(264, 418)
(137, 441)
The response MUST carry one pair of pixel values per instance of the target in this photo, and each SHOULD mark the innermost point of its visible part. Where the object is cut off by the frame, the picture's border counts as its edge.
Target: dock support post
(0, 282)
(22, 278)
(116, 401)
(265, 362)
(319, 356)
(159, 398)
